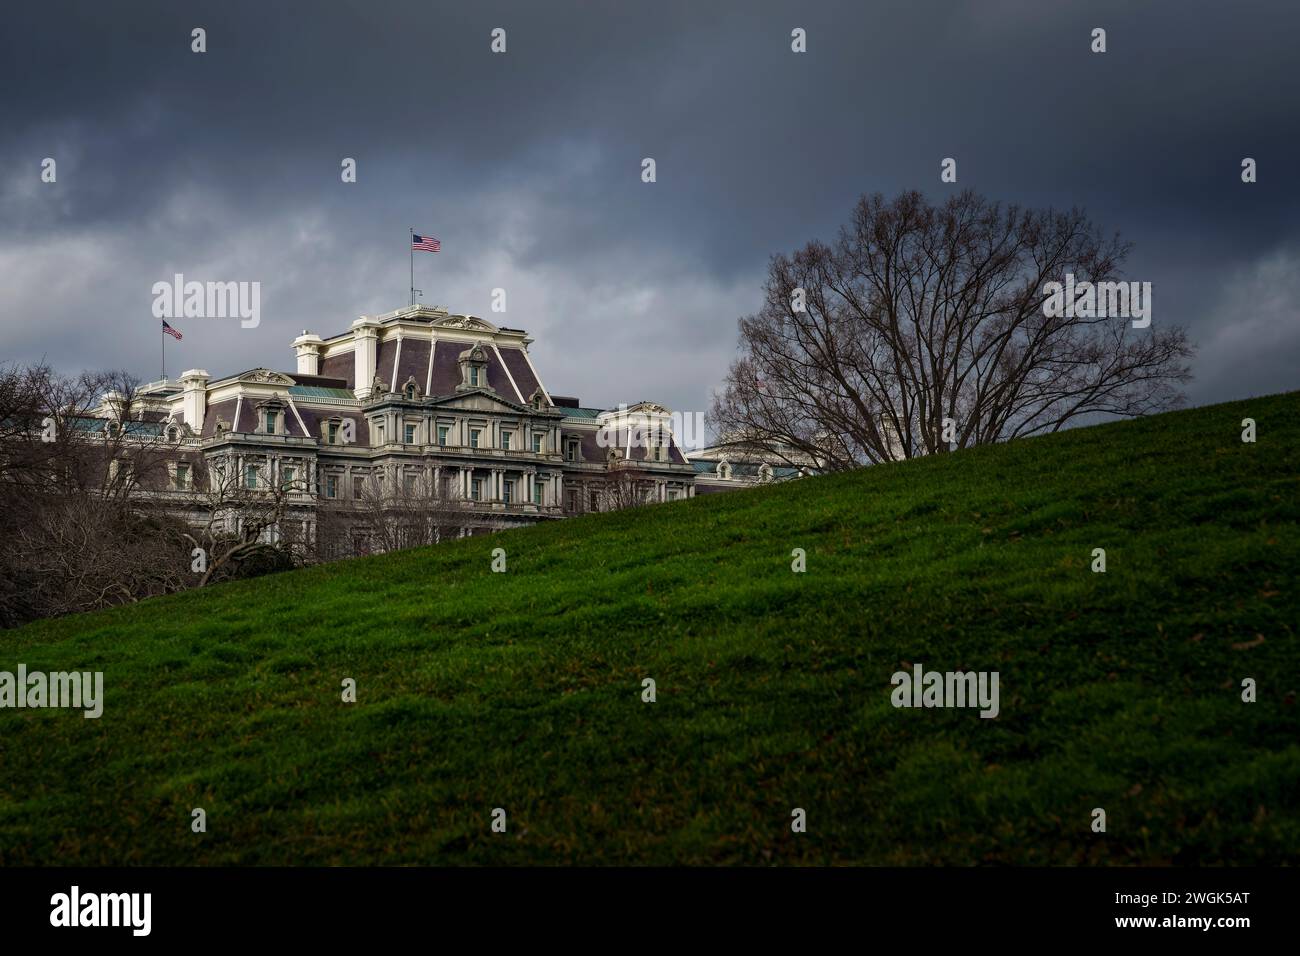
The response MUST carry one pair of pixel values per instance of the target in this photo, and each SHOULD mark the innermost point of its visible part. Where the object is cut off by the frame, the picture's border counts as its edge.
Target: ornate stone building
(423, 404)
(736, 464)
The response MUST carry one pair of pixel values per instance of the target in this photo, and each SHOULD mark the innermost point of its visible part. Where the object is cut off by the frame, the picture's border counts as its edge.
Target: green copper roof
(318, 391)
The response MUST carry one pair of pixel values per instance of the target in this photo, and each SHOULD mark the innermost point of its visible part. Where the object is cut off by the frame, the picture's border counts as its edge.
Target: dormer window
(269, 417)
(765, 472)
(724, 469)
(473, 367)
(411, 390)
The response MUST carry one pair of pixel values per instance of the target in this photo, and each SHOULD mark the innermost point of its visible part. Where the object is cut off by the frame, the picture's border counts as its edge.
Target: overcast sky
(527, 166)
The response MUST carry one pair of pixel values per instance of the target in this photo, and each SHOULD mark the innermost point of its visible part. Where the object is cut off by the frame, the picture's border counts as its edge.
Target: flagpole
(410, 248)
(164, 352)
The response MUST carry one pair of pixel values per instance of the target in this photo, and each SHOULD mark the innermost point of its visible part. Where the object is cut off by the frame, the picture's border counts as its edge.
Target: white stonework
(451, 405)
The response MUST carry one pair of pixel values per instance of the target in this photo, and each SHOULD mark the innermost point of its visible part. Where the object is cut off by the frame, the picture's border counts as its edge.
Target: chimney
(194, 397)
(308, 347)
(365, 355)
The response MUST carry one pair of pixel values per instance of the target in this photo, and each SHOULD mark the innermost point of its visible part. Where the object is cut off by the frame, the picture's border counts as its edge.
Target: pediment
(264, 376)
(478, 400)
(471, 323)
(649, 408)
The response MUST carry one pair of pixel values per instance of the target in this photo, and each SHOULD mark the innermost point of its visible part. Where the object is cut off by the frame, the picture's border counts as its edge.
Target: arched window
(724, 469)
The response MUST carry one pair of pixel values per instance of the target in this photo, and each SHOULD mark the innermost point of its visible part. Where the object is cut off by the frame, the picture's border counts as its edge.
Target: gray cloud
(226, 166)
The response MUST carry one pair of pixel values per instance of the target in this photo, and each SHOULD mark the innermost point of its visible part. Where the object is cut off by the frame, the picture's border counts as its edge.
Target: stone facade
(735, 464)
(430, 404)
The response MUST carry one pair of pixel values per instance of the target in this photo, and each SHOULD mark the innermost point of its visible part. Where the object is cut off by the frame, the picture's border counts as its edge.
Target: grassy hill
(523, 690)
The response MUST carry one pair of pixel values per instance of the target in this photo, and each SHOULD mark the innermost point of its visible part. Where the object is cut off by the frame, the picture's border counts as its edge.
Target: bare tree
(390, 516)
(79, 553)
(921, 313)
(624, 484)
(74, 538)
(84, 434)
(245, 512)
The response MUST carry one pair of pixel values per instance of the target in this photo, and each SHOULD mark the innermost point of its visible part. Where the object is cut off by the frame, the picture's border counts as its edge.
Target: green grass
(523, 690)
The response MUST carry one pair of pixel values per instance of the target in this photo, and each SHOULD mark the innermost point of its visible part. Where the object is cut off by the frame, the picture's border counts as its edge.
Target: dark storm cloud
(226, 165)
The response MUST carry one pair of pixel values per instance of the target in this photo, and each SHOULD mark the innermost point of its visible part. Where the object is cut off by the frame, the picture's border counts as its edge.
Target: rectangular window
(270, 423)
(573, 501)
(473, 437)
(537, 443)
(287, 475)
(182, 479)
(379, 433)
(473, 375)
(250, 476)
(410, 434)
(595, 501)
(333, 433)
(442, 434)
(408, 484)
(537, 492)
(358, 486)
(507, 491)
(505, 440)
(571, 451)
(331, 486)
(476, 489)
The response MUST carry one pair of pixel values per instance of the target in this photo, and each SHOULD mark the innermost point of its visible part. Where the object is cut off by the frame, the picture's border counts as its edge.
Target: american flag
(425, 243)
(170, 331)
